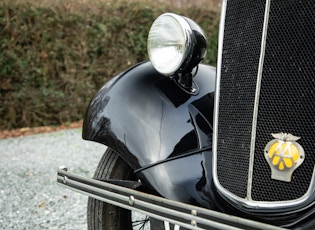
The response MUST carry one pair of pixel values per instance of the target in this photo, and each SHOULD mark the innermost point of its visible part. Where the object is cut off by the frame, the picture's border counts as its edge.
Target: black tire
(103, 216)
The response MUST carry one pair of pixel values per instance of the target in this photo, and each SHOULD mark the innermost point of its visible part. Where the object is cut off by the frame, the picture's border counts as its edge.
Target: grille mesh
(240, 58)
(287, 97)
(287, 94)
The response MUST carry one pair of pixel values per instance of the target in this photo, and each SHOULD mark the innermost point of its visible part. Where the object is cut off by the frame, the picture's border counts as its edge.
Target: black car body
(237, 139)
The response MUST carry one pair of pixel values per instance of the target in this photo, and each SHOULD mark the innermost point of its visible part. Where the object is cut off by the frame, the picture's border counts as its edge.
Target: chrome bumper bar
(184, 215)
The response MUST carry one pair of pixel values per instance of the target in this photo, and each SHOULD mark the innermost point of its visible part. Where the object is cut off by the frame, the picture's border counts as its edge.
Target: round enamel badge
(284, 155)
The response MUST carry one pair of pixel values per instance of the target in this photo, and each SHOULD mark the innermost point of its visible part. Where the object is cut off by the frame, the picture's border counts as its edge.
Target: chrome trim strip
(299, 204)
(216, 98)
(307, 200)
(256, 103)
(181, 214)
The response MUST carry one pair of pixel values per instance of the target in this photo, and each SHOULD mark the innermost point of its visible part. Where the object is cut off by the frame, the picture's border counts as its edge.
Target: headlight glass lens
(167, 43)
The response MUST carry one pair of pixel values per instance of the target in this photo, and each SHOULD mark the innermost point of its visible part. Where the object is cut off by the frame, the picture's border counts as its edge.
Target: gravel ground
(29, 195)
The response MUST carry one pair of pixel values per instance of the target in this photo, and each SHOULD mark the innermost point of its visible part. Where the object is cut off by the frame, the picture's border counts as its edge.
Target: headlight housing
(175, 44)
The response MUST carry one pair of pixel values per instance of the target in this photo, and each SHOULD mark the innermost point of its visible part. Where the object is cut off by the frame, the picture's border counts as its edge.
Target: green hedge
(54, 57)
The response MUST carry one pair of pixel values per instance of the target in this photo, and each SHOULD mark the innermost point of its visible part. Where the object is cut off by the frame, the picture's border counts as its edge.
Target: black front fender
(147, 117)
(160, 130)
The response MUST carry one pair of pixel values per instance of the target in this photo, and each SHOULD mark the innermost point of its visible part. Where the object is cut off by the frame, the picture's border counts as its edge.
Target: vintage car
(192, 146)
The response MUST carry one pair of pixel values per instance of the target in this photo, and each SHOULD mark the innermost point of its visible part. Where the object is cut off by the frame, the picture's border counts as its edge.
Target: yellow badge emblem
(284, 155)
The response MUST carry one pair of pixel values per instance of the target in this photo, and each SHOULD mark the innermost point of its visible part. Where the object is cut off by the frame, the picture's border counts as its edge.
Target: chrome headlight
(175, 44)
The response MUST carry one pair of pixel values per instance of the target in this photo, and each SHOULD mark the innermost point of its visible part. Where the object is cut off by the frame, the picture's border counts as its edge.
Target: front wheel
(104, 216)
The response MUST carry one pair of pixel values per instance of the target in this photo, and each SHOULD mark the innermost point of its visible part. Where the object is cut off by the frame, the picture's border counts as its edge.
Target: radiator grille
(286, 101)
(241, 51)
(287, 96)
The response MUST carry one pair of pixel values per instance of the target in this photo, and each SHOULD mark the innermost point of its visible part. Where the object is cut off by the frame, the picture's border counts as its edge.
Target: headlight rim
(188, 44)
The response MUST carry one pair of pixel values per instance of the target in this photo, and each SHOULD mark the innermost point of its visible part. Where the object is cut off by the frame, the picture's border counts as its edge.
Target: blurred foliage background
(56, 54)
